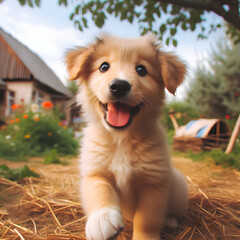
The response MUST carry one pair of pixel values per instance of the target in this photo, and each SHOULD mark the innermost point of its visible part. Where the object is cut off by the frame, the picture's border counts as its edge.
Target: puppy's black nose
(119, 88)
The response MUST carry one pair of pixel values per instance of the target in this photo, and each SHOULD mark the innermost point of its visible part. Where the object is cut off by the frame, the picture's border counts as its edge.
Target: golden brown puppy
(125, 166)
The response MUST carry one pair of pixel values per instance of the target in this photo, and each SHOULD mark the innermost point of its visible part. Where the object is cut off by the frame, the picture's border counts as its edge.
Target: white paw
(105, 223)
(171, 222)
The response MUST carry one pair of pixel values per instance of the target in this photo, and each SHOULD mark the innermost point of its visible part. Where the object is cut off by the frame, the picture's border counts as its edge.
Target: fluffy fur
(126, 171)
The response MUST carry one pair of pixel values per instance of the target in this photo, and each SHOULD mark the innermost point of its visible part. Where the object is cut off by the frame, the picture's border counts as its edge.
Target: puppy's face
(123, 80)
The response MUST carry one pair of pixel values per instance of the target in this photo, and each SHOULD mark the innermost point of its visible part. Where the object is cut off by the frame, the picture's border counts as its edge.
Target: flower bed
(35, 132)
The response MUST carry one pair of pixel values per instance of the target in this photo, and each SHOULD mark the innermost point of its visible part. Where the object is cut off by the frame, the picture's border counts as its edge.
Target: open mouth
(119, 115)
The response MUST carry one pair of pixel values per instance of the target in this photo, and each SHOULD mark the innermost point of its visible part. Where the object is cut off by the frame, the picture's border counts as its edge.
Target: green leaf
(138, 2)
(118, 7)
(157, 11)
(22, 2)
(173, 31)
(164, 7)
(163, 28)
(130, 18)
(167, 41)
(30, 4)
(38, 2)
(184, 26)
(174, 42)
(99, 21)
(78, 24)
(84, 9)
(64, 2)
(77, 9)
(72, 16)
(84, 20)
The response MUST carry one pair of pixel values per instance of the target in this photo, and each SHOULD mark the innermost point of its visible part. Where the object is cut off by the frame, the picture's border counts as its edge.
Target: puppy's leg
(102, 206)
(150, 214)
(178, 199)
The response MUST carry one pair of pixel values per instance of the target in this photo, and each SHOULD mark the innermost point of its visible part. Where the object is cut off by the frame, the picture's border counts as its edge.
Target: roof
(35, 64)
(200, 128)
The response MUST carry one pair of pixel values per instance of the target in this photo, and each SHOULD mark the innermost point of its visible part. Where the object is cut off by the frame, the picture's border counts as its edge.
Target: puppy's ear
(76, 61)
(173, 71)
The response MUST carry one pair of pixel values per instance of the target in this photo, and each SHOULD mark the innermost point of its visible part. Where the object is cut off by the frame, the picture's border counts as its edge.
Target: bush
(34, 134)
(16, 174)
(52, 157)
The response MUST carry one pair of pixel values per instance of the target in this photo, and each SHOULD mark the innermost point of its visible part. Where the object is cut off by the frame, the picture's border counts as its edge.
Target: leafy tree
(215, 91)
(72, 86)
(163, 17)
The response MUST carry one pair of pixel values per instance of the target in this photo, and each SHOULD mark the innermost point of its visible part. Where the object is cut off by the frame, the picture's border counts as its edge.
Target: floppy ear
(76, 61)
(173, 71)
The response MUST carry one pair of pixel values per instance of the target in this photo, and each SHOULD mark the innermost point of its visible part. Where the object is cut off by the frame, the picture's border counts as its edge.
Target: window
(10, 101)
(37, 97)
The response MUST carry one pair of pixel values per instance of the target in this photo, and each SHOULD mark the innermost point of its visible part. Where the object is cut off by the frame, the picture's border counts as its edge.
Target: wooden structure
(25, 78)
(202, 134)
(234, 136)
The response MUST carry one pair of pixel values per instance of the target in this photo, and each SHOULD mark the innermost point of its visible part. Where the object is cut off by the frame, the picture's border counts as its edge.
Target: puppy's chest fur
(126, 159)
(121, 166)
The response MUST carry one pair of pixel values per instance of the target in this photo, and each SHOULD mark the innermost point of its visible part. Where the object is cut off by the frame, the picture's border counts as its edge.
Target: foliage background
(215, 89)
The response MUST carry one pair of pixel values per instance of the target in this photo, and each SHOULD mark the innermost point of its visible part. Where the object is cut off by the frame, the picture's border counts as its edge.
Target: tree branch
(197, 4)
(217, 6)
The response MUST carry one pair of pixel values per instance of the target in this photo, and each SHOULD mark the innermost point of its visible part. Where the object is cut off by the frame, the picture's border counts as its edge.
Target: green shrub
(16, 174)
(34, 134)
(52, 157)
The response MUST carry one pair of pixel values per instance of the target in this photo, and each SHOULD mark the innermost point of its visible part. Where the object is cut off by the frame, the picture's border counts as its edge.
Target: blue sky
(48, 32)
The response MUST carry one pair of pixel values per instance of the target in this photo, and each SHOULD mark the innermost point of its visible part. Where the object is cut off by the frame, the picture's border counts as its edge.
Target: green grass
(218, 156)
(16, 174)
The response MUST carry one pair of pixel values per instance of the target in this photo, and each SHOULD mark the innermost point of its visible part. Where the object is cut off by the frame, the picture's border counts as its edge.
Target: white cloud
(4, 9)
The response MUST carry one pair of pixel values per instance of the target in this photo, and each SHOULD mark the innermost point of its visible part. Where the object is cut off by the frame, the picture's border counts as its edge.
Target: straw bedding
(49, 209)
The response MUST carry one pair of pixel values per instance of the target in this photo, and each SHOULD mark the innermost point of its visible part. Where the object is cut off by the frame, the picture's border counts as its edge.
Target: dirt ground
(49, 208)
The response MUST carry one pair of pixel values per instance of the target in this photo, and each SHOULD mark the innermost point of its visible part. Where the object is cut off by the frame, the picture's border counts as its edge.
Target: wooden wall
(10, 65)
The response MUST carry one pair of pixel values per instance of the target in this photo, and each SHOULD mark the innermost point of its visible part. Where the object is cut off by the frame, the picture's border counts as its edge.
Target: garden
(39, 180)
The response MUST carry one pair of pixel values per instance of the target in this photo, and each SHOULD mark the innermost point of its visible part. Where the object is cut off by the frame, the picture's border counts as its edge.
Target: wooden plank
(234, 136)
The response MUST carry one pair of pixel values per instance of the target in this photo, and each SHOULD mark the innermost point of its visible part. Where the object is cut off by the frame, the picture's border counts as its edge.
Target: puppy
(125, 165)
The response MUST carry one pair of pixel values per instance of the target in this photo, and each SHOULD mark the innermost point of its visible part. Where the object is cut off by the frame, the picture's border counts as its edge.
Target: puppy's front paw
(105, 223)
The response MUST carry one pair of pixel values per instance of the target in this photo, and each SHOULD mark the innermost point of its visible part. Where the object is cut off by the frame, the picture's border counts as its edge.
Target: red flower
(25, 116)
(14, 107)
(17, 120)
(47, 105)
(12, 121)
(227, 117)
(237, 94)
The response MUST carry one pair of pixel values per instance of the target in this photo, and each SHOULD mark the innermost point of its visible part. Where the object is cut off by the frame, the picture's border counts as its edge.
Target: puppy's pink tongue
(118, 114)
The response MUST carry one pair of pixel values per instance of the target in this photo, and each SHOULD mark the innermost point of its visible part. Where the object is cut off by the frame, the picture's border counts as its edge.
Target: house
(25, 78)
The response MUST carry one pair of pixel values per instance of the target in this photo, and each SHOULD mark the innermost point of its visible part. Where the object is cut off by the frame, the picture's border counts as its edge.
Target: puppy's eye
(141, 70)
(104, 67)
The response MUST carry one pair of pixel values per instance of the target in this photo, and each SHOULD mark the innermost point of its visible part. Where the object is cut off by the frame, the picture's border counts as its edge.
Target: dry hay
(49, 209)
